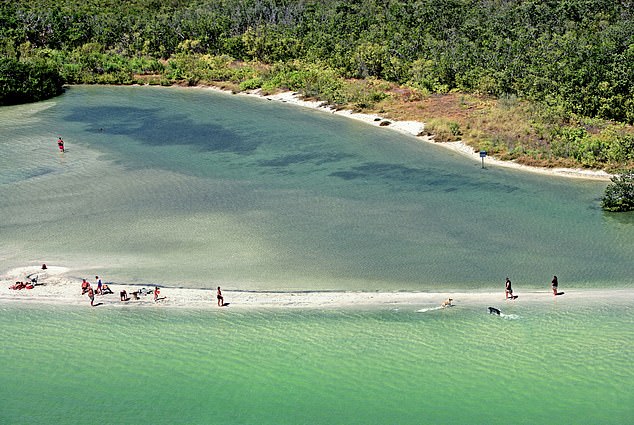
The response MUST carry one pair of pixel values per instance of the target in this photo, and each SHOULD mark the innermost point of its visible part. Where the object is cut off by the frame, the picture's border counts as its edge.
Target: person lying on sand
(18, 286)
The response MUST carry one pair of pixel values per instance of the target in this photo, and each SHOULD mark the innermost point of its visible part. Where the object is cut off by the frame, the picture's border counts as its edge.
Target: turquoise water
(547, 364)
(194, 188)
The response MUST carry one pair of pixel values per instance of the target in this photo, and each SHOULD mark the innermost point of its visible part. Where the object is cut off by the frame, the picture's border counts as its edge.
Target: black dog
(493, 310)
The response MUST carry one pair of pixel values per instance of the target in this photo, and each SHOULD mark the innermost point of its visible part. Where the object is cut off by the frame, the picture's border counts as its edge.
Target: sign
(483, 154)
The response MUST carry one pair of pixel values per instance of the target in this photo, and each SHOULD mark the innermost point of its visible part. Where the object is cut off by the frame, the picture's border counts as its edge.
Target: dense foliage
(619, 195)
(22, 82)
(573, 57)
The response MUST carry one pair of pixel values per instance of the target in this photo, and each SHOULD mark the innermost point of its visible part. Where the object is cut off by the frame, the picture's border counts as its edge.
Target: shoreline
(416, 129)
(55, 287)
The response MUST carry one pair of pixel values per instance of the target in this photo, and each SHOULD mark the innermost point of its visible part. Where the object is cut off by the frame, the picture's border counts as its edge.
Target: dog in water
(493, 310)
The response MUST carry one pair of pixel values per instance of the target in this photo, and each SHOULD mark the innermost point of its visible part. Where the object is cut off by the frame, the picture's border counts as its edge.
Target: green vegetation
(540, 82)
(22, 82)
(619, 195)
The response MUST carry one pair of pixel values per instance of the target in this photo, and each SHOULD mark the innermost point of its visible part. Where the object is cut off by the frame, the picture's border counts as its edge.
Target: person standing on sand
(99, 288)
(91, 295)
(508, 291)
(554, 285)
(221, 300)
(156, 293)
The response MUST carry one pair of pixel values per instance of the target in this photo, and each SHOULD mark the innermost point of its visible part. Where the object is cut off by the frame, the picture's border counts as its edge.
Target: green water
(194, 188)
(197, 189)
(547, 364)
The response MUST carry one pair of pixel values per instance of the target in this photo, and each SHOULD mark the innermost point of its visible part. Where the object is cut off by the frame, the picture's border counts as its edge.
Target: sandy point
(55, 286)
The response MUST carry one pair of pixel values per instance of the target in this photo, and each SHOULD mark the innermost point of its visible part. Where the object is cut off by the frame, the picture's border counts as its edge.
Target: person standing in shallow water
(555, 285)
(60, 144)
(221, 300)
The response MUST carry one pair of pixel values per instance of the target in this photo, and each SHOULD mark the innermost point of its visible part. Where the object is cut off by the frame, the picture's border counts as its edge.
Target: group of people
(508, 290)
(28, 284)
(123, 295)
(508, 293)
(22, 285)
(102, 289)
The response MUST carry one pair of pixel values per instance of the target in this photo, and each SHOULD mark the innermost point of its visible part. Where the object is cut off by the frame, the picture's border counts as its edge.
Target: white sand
(415, 129)
(58, 287)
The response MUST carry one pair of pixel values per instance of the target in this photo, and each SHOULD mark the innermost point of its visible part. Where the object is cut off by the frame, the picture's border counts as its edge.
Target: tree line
(577, 54)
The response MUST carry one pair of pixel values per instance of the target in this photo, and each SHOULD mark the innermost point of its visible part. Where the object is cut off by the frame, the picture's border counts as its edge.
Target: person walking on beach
(156, 293)
(221, 300)
(60, 144)
(91, 295)
(508, 291)
(554, 285)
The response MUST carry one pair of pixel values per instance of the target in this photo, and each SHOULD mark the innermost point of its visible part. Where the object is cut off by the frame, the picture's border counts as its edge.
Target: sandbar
(57, 285)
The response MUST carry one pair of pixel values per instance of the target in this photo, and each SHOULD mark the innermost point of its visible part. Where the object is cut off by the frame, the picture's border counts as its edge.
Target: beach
(57, 286)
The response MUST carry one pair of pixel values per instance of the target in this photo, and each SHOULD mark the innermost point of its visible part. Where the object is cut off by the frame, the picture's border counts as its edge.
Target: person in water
(60, 144)
(508, 291)
(221, 300)
(554, 285)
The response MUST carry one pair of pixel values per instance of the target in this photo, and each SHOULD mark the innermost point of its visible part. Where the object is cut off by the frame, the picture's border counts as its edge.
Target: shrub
(22, 82)
(619, 195)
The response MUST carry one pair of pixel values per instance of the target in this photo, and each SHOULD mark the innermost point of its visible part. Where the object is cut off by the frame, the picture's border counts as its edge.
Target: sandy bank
(57, 287)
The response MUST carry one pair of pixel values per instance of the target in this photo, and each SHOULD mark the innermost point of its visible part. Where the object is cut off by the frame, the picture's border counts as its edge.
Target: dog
(493, 310)
(447, 303)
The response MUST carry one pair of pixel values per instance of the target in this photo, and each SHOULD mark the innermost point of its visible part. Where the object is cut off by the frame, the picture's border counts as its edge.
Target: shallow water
(195, 188)
(541, 364)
